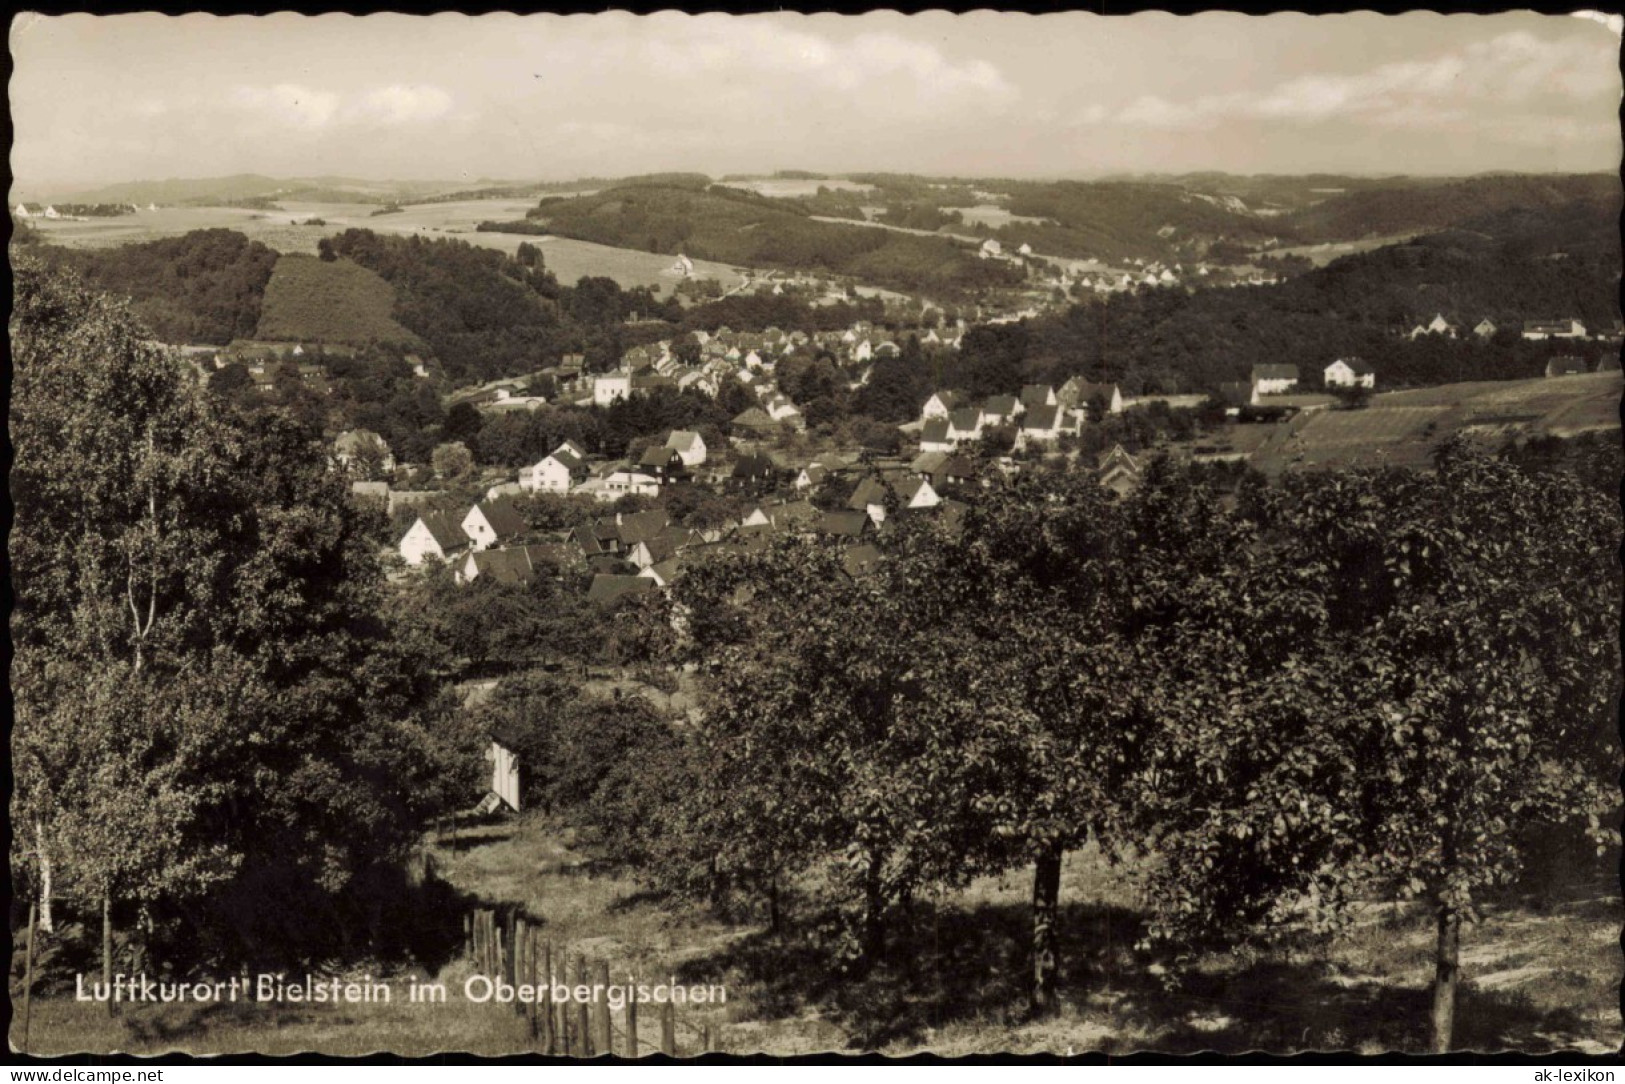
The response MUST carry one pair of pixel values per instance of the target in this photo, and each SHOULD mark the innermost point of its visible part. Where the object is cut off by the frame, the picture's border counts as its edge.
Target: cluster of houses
(629, 552)
(1531, 330)
(1282, 379)
(1040, 414)
(1574, 365)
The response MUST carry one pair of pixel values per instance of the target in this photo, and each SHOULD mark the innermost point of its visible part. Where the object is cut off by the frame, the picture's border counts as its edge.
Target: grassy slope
(1539, 975)
(340, 302)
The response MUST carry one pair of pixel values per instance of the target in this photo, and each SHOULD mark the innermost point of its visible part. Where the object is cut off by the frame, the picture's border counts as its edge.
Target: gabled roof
(935, 431)
(608, 588)
(870, 491)
(682, 440)
(966, 418)
(514, 564)
(657, 455)
(635, 527)
(1275, 372)
(753, 466)
(754, 418)
(1036, 394)
(505, 520)
(447, 533)
(1001, 405)
(928, 462)
(1041, 419)
(1357, 366)
(949, 399)
(848, 524)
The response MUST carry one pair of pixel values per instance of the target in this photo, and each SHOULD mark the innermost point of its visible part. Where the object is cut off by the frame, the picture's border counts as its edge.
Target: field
(989, 214)
(339, 302)
(1541, 973)
(1322, 254)
(782, 188)
(569, 260)
(1402, 428)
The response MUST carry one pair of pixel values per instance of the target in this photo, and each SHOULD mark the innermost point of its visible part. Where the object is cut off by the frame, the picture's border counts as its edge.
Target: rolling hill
(738, 227)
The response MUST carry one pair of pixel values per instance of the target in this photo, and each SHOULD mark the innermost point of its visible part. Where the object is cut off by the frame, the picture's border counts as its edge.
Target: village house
(1043, 425)
(491, 522)
(753, 423)
(965, 425)
(611, 386)
(511, 564)
(1037, 395)
(557, 472)
(999, 409)
(665, 464)
(753, 472)
(934, 436)
(940, 405)
(1536, 330)
(1349, 373)
(1118, 471)
(1485, 328)
(1567, 365)
(433, 534)
(1436, 326)
(363, 446)
(627, 482)
(1078, 392)
(689, 445)
(1274, 379)
(873, 494)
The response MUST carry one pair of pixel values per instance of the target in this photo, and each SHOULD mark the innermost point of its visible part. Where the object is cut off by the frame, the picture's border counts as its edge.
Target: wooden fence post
(631, 1014)
(583, 1011)
(668, 1029)
(521, 966)
(705, 1038)
(549, 1046)
(605, 1042)
(566, 1024)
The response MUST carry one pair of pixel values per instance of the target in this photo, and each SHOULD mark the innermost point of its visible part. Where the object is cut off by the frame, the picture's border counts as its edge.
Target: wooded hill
(733, 226)
(1168, 340)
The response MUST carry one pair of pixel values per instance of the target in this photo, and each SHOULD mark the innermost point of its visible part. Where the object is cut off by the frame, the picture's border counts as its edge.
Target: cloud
(754, 52)
(302, 108)
(1511, 72)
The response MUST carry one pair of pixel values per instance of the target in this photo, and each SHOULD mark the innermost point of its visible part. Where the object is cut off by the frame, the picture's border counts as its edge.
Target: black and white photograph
(694, 537)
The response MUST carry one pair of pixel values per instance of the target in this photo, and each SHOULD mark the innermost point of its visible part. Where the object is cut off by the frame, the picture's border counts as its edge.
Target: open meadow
(1401, 428)
(1542, 973)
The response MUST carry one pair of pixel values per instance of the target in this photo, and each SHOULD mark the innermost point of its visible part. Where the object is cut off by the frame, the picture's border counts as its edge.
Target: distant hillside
(1420, 207)
(1171, 341)
(1114, 221)
(732, 226)
(203, 287)
(308, 299)
(247, 186)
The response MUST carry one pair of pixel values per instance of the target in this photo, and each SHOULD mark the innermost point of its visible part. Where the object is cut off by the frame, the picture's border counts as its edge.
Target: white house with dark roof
(1350, 373)
(491, 522)
(433, 534)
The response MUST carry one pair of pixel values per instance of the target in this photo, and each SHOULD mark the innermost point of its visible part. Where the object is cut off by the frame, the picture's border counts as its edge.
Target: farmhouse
(434, 534)
(1349, 373)
(1274, 379)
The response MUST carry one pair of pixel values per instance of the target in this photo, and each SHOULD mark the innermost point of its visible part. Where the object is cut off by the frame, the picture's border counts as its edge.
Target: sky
(452, 97)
